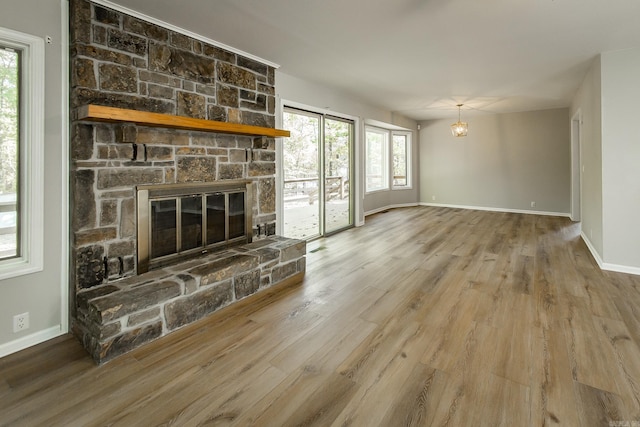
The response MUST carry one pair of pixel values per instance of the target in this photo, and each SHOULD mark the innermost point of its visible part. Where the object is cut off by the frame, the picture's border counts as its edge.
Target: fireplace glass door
(175, 220)
(215, 217)
(164, 228)
(190, 222)
(317, 172)
(236, 215)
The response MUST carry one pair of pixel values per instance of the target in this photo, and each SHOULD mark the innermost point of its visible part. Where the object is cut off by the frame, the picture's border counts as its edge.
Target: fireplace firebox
(176, 221)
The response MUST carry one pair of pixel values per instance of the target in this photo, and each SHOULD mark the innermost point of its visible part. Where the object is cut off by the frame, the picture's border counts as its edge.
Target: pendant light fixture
(459, 128)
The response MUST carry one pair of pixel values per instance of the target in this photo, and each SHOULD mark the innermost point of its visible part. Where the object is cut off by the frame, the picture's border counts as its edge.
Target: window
(9, 153)
(377, 159)
(401, 159)
(379, 143)
(21, 147)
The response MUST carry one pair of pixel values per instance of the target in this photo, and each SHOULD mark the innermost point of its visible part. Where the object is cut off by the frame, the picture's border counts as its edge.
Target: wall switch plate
(20, 322)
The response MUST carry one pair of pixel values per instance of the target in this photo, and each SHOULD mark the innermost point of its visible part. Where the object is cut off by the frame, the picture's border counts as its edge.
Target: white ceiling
(420, 58)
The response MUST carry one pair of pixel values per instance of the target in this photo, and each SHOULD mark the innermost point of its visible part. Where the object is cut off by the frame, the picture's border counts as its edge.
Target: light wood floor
(425, 316)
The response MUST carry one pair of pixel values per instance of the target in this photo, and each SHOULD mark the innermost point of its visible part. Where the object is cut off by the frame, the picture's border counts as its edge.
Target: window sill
(19, 267)
(380, 190)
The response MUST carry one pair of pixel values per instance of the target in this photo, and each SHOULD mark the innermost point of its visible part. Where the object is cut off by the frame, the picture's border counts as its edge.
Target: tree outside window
(377, 160)
(9, 149)
(401, 158)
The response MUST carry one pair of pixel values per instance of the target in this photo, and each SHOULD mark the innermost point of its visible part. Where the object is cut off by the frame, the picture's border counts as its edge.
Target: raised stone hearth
(117, 317)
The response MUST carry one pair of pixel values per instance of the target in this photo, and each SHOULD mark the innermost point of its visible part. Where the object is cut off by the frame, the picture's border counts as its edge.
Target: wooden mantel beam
(99, 113)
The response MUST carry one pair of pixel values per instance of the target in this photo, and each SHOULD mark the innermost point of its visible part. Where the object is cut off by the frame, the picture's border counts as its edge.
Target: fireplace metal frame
(145, 194)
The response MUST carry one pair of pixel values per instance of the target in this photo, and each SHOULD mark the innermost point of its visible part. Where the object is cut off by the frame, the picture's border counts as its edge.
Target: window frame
(31, 154)
(408, 160)
(385, 161)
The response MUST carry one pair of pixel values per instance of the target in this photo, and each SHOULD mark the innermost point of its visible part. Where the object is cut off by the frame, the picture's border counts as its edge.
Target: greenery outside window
(377, 159)
(401, 159)
(21, 153)
(379, 143)
(9, 152)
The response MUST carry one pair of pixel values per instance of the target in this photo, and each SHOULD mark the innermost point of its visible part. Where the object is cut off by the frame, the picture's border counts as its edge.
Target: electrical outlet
(21, 322)
(533, 204)
(433, 197)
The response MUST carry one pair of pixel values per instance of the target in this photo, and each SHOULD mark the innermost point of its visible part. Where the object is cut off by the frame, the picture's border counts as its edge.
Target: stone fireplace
(119, 300)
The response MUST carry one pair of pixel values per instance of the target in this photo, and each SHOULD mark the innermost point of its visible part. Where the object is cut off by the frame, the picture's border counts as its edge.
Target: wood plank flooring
(424, 316)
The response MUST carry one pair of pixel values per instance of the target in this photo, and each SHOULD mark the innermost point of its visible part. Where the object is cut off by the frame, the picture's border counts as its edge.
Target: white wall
(298, 90)
(607, 101)
(620, 158)
(588, 102)
(43, 294)
(506, 162)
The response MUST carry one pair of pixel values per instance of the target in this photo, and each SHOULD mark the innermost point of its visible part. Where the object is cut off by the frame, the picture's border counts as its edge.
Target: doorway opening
(317, 170)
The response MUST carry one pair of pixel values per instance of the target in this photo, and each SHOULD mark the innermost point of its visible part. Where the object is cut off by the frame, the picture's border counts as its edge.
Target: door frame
(355, 165)
(576, 166)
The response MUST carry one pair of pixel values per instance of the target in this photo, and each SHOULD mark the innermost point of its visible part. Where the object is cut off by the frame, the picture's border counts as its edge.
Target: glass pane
(377, 160)
(337, 145)
(399, 160)
(215, 219)
(9, 149)
(301, 166)
(163, 228)
(236, 215)
(191, 222)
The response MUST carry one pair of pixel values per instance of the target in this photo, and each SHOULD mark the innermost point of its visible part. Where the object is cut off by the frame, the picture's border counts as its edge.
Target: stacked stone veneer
(117, 317)
(121, 61)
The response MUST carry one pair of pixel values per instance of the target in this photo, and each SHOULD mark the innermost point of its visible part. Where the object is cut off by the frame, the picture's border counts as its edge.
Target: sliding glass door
(337, 170)
(301, 171)
(317, 170)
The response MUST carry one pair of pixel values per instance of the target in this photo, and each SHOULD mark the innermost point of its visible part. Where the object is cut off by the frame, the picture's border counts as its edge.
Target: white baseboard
(621, 268)
(618, 268)
(30, 340)
(402, 205)
(593, 250)
(490, 209)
